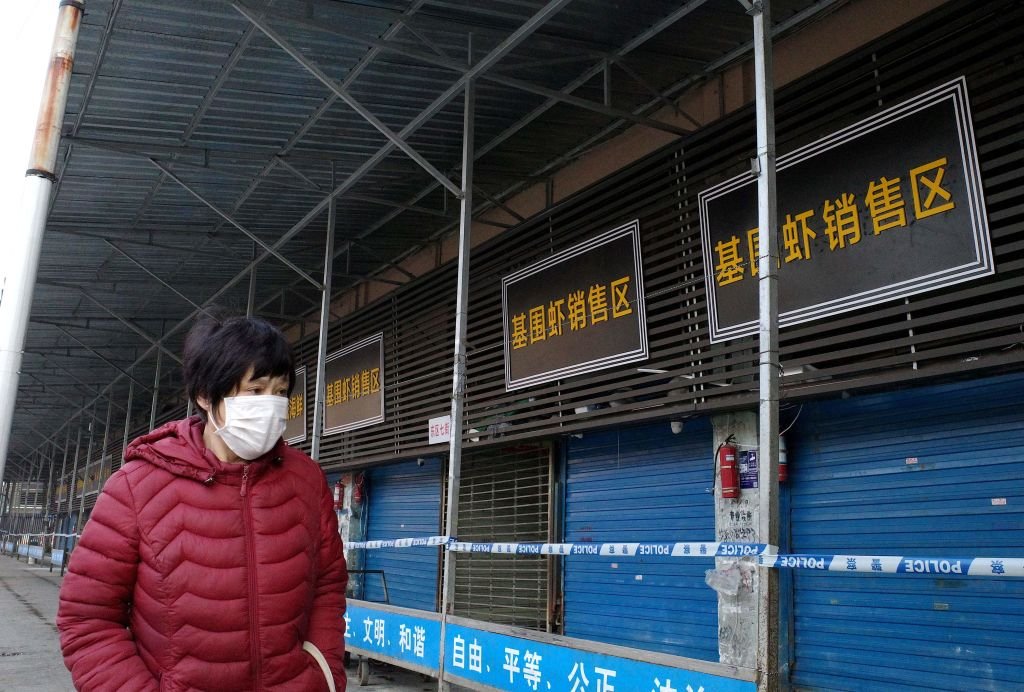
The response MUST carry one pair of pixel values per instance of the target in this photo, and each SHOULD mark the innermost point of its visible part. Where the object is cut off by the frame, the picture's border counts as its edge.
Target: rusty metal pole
(26, 239)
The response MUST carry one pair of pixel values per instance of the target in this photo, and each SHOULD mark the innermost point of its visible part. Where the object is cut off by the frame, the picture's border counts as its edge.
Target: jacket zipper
(250, 549)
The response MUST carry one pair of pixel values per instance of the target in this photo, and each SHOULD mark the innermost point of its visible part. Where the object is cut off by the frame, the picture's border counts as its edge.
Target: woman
(212, 559)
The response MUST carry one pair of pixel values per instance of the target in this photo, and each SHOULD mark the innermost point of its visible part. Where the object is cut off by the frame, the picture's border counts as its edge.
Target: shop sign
(354, 386)
(889, 207)
(577, 311)
(295, 427)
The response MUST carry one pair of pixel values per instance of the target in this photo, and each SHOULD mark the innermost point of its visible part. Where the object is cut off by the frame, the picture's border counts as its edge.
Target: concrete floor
(30, 659)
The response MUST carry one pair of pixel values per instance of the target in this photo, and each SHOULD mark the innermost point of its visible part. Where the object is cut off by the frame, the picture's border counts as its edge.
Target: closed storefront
(931, 472)
(403, 501)
(641, 484)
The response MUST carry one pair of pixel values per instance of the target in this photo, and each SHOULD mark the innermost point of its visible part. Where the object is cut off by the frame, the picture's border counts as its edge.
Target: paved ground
(30, 658)
(29, 652)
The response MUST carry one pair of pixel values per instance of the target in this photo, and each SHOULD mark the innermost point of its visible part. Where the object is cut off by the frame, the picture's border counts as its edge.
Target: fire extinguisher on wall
(339, 495)
(728, 469)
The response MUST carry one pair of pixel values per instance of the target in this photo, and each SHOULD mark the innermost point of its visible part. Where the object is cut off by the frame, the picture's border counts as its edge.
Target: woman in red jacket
(212, 559)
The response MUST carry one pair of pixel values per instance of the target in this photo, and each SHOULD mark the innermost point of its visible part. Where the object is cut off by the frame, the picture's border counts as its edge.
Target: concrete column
(737, 520)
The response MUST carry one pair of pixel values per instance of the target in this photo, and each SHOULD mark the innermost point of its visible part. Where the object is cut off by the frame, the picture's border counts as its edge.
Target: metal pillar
(769, 367)
(49, 482)
(325, 313)
(64, 470)
(156, 393)
(128, 417)
(250, 303)
(23, 245)
(85, 471)
(458, 366)
(72, 482)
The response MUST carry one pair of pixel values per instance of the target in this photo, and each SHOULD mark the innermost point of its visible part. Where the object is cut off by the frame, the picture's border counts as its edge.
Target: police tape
(617, 549)
(892, 564)
(766, 555)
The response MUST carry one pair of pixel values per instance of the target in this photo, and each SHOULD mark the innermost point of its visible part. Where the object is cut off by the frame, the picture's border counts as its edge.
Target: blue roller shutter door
(641, 484)
(404, 501)
(922, 472)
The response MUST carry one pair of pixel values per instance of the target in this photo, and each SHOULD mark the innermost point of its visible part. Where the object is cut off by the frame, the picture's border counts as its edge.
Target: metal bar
(64, 467)
(297, 173)
(458, 367)
(23, 246)
(156, 392)
(48, 497)
(141, 332)
(128, 416)
(345, 96)
(621, 64)
(325, 314)
(396, 205)
(97, 354)
(156, 278)
(769, 368)
(250, 302)
(501, 205)
(224, 215)
(73, 376)
(603, 109)
(106, 428)
(85, 470)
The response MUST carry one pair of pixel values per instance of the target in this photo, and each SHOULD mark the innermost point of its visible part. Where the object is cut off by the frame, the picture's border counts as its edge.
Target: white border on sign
(365, 422)
(305, 388)
(983, 265)
(642, 353)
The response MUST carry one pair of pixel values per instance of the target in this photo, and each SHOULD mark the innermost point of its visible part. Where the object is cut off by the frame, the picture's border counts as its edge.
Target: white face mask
(252, 424)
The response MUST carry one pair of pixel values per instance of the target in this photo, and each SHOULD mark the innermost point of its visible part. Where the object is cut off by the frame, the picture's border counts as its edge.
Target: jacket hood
(178, 447)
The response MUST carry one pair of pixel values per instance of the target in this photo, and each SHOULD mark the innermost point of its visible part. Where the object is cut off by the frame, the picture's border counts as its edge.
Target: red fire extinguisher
(339, 495)
(358, 489)
(783, 461)
(728, 471)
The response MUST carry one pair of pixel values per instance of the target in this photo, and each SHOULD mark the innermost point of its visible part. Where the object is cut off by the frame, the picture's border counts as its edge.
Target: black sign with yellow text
(295, 427)
(886, 208)
(354, 386)
(577, 311)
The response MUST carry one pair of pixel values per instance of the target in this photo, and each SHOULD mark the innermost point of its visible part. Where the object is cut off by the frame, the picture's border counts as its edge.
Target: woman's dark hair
(218, 353)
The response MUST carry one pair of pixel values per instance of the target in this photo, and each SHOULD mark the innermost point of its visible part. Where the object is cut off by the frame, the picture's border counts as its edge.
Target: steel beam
(272, 250)
(325, 313)
(504, 80)
(458, 367)
(152, 275)
(769, 367)
(98, 355)
(157, 343)
(156, 392)
(345, 96)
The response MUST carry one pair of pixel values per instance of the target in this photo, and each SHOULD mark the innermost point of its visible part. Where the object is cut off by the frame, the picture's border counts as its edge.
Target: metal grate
(505, 497)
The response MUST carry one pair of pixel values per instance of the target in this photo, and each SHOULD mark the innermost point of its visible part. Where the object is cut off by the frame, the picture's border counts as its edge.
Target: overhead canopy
(201, 135)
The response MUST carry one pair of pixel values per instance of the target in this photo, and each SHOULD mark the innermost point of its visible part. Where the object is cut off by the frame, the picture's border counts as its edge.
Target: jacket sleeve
(95, 598)
(326, 626)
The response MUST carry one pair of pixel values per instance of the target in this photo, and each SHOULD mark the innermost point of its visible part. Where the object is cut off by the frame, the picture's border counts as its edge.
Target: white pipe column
(769, 368)
(459, 367)
(24, 244)
(325, 314)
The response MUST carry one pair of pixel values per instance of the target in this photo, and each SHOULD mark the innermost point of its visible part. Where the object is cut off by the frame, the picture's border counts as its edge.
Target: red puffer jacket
(193, 574)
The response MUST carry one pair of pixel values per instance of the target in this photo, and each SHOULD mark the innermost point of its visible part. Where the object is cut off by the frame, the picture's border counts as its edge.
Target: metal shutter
(404, 501)
(854, 492)
(642, 484)
(505, 496)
